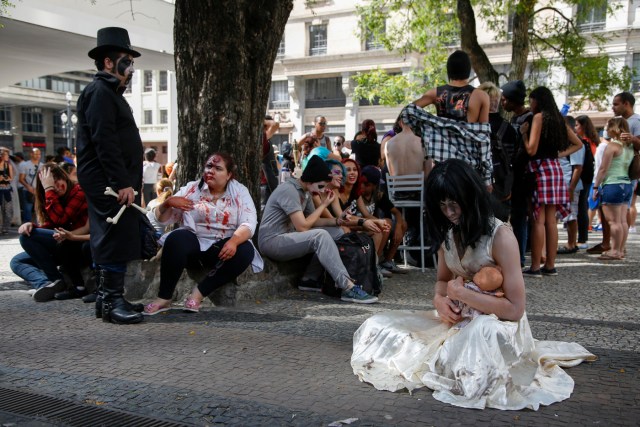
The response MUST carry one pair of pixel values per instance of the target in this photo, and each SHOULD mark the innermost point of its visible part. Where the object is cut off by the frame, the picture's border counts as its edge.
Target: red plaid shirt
(69, 213)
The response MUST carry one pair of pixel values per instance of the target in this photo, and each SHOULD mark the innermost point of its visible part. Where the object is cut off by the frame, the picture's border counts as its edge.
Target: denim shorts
(616, 194)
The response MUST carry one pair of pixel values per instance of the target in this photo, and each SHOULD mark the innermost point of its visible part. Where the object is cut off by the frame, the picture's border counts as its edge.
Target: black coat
(109, 155)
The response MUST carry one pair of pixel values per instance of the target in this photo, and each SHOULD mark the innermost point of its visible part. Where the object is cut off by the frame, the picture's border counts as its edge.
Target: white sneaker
(632, 229)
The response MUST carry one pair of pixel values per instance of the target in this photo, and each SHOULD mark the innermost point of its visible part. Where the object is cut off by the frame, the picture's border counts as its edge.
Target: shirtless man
(404, 153)
(458, 100)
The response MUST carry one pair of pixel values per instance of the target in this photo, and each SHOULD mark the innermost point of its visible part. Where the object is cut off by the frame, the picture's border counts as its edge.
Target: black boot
(114, 307)
(138, 308)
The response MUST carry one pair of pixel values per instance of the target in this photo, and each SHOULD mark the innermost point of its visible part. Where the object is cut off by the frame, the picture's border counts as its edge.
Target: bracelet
(46, 188)
(361, 222)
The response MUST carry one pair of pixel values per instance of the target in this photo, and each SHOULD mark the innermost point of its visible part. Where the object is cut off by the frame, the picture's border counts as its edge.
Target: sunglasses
(322, 123)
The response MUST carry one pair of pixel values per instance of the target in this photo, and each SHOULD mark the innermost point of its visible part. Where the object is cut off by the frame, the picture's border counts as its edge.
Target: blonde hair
(616, 126)
(164, 188)
(494, 95)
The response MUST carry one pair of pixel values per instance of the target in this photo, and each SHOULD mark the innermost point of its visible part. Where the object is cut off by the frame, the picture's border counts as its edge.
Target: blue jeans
(27, 207)
(26, 268)
(42, 247)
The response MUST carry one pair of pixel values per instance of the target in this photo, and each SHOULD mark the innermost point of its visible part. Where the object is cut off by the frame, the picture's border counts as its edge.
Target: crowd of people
(493, 189)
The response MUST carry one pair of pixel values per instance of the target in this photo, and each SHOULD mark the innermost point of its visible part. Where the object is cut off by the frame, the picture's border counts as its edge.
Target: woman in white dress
(493, 361)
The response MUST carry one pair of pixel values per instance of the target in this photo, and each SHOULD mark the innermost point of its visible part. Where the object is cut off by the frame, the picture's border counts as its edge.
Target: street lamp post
(69, 121)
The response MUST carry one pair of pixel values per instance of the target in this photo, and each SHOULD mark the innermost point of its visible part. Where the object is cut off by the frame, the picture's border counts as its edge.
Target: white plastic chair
(409, 186)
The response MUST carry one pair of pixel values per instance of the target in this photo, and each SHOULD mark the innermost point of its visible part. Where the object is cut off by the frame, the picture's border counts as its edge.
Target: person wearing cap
(512, 101)
(290, 229)
(151, 174)
(110, 154)
(458, 100)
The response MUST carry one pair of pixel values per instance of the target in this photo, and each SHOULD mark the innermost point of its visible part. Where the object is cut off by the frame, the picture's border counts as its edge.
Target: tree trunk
(224, 53)
(520, 43)
(469, 43)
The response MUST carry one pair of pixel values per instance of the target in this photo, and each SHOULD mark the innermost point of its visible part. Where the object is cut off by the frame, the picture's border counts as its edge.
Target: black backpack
(502, 170)
(358, 254)
(588, 167)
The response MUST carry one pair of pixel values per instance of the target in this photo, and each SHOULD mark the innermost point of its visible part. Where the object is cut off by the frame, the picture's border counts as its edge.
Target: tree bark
(469, 43)
(224, 55)
(520, 42)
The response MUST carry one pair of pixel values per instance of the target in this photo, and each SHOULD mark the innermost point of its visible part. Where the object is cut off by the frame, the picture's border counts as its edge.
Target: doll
(488, 280)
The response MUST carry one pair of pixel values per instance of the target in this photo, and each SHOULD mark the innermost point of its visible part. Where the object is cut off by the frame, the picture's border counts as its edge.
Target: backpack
(358, 254)
(588, 168)
(502, 170)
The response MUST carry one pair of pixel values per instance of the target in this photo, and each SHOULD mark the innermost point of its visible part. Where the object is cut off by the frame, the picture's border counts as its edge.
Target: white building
(319, 54)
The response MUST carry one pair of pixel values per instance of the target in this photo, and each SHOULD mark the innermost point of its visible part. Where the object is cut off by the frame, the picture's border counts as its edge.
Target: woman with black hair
(549, 138)
(365, 145)
(217, 219)
(492, 361)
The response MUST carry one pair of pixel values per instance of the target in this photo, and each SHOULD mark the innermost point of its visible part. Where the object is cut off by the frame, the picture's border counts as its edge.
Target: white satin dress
(488, 363)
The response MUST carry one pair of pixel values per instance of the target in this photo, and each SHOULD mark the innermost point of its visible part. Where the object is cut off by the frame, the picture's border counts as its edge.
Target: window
(371, 41)
(5, 117)
(148, 117)
(317, 40)
(59, 128)
(164, 117)
(279, 95)
(32, 119)
(590, 18)
(325, 93)
(280, 53)
(148, 81)
(635, 84)
(162, 81)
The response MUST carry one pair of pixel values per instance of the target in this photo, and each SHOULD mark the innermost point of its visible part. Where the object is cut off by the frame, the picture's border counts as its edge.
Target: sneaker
(30, 292)
(358, 296)
(72, 293)
(583, 245)
(632, 229)
(597, 227)
(532, 273)
(46, 293)
(392, 267)
(385, 273)
(309, 286)
(549, 271)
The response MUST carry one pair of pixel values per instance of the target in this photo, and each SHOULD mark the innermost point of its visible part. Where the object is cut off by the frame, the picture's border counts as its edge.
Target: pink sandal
(191, 305)
(153, 308)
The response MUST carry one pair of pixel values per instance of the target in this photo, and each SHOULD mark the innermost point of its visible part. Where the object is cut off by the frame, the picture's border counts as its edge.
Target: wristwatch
(361, 222)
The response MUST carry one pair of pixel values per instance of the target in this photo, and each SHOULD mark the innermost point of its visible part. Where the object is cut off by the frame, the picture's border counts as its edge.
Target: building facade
(320, 53)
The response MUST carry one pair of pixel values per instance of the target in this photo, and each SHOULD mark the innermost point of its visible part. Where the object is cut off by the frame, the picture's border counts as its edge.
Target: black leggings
(182, 250)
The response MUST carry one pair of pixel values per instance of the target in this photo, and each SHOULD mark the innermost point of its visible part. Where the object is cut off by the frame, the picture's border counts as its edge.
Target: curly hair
(554, 128)
(457, 181)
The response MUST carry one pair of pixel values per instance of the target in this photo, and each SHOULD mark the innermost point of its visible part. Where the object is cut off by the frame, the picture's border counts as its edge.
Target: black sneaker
(549, 271)
(46, 293)
(310, 286)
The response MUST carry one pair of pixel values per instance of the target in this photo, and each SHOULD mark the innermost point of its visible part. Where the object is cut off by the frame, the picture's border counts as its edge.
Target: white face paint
(317, 187)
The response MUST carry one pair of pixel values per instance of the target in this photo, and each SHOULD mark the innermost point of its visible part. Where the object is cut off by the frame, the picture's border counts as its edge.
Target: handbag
(634, 167)
(148, 238)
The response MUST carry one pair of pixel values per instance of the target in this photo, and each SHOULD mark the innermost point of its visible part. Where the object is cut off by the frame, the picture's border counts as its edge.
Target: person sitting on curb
(289, 230)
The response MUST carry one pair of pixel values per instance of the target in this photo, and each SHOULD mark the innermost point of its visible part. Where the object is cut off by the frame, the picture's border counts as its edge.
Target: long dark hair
(554, 129)
(58, 174)
(356, 190)
(368, 129)
(456, 180)
(589, 129)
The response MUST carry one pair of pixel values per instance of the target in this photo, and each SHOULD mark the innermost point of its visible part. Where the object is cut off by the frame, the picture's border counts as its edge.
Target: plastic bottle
(565, 109)
(285, 174)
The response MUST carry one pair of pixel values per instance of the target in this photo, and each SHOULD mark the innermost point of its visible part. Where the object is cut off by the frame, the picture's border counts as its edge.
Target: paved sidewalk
(285, 361)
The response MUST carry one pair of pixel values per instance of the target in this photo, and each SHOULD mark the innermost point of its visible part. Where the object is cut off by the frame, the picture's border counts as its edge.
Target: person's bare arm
(574, 143)
(532, 139)
(479, 104)
(427, 99)
(271, 128)
(302, 223)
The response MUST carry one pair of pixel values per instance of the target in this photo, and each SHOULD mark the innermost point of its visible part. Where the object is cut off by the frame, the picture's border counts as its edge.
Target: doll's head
(488, 278)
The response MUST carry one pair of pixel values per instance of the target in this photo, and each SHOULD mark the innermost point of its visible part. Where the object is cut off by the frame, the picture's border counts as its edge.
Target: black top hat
(113, 39)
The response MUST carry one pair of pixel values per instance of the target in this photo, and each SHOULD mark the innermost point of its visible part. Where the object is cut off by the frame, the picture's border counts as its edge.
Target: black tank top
(452, 102)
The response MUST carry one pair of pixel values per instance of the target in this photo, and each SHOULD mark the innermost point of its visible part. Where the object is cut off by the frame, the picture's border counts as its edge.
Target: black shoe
(90, 297)
(114, 307)
(309, 286)
(72, 293)
(46, 293)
